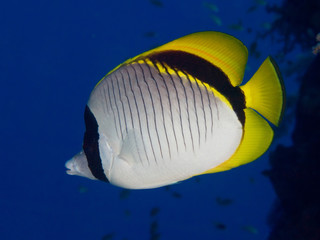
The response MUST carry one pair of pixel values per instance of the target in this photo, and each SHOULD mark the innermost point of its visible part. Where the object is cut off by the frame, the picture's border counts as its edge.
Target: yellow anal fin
(265, 92)
(256, 140)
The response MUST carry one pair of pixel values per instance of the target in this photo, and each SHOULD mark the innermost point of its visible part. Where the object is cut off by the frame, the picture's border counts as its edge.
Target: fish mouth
(78, 165)
(70, 165)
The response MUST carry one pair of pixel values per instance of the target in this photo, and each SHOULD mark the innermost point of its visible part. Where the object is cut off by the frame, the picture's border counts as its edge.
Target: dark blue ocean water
(52, 53)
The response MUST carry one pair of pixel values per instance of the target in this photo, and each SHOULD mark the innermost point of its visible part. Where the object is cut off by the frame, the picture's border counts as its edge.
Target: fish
(237, 26)
(108, 236)
(156, 3)
(211, 6)
(176, 195)
(261, 2)
(219, 225)
(224, 201)
(179, 111)
(266, 25)
(154, 211)
(149, 34)
(154, 234)
(127, 212)
(252, 9)
(250, 229)
(253, 49)
(216, 19)
(82, 189)
(125, 193)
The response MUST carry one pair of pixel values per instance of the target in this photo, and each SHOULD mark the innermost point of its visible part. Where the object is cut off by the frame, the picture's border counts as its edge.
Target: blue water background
(52, 53)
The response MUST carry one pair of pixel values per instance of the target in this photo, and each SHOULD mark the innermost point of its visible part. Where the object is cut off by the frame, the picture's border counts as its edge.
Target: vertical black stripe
(111, 105)
(145, 110)
(130, 110)
(91, 146)
(117, 108)
(209, 101)
(187, 105)
(180, 113)
(138, 115)
(131, 114)
(194, 104)
(170, 104)
(203, 109)
(108, 106)
(102, 93)
(161, 105)
(173, 126)
(123, 110)
(153, 110)
(179, 106)
(126, 95)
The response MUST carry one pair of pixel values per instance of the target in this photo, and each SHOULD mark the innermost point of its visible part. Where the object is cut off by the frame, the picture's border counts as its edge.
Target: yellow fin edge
(265, 92)
(222, 50)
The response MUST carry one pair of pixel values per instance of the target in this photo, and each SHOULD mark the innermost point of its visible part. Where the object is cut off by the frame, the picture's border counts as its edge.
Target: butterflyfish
(179, 111)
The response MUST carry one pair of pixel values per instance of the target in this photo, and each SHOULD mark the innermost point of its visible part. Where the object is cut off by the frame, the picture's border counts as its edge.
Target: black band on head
(91, 145)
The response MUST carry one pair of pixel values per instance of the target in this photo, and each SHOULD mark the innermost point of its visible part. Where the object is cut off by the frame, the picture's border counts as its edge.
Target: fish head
(78, 165)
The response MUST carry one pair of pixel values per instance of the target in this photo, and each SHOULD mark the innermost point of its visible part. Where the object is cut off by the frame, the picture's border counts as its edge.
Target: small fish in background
(216, 20)
(127, 212)
(154, 211)
(212, 7)
(256, 5)
(224, 201)
(82, 189)
(178, 111)
(149, 34)
(219, 225)
(266, 25)
(252, 180)
(154, 234)
(237, 26)
(124, 194)
(176, 195)
(252, 8)
(253, 49)
(154, 227)
(108, 236)
(266, 172)
(213, 10)
(250, 229)
(156, 3)
(261, 2)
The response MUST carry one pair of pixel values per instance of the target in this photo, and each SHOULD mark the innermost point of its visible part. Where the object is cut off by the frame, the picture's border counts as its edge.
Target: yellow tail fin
(265, 92)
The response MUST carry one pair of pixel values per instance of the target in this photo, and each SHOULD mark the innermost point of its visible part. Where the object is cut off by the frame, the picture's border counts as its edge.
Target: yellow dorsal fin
(256, 140)
(224, 51)
(265, 92)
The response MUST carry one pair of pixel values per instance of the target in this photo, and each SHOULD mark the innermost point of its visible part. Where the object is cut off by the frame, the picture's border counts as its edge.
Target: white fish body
(152, 122)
